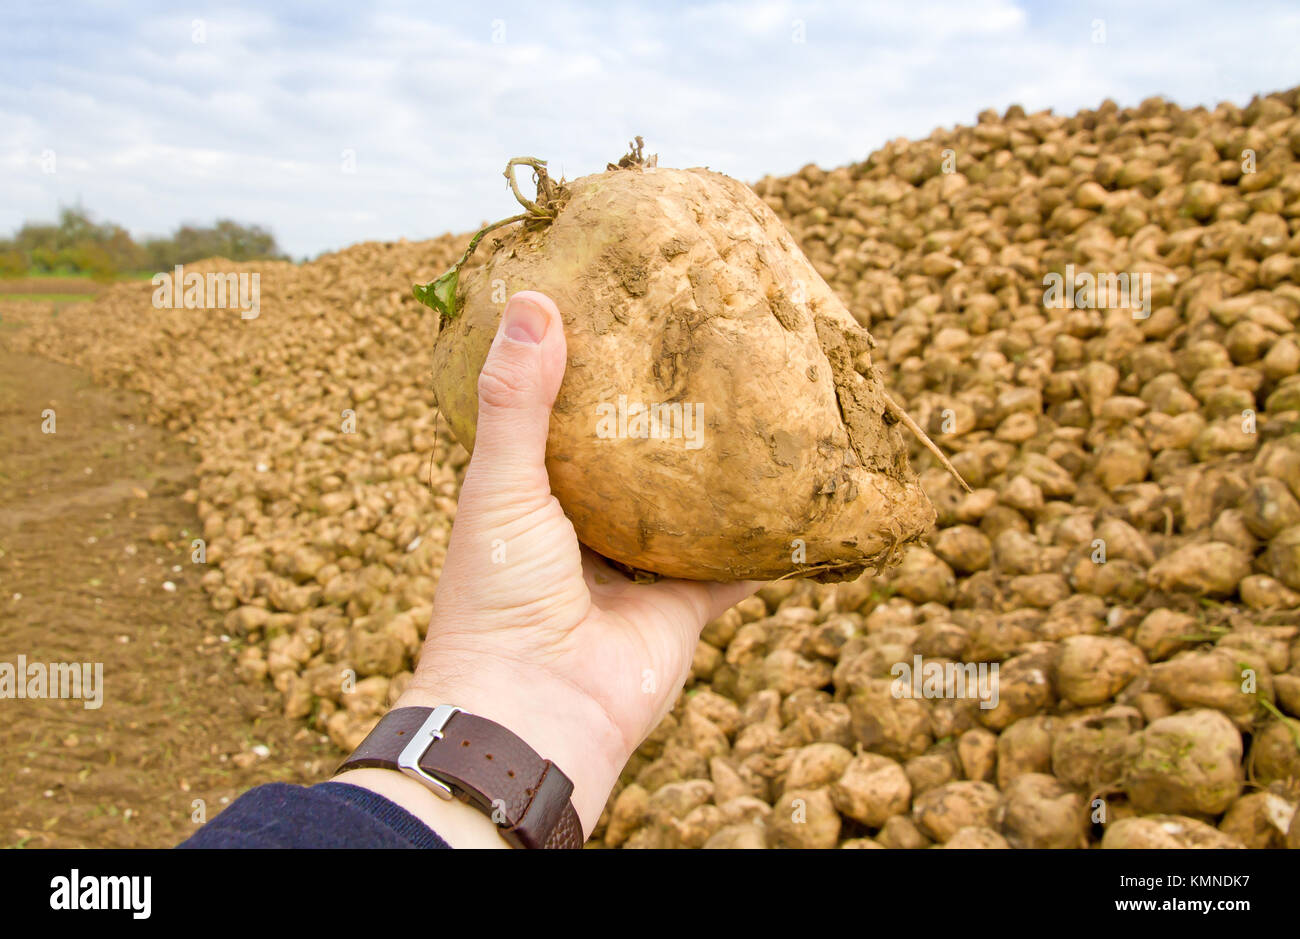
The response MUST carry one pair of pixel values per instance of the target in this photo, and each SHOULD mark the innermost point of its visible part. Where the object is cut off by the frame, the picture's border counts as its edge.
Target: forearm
(327, 815)
(458, 824)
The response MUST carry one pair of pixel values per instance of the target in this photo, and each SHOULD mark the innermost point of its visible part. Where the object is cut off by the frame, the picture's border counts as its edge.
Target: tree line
(77, 244)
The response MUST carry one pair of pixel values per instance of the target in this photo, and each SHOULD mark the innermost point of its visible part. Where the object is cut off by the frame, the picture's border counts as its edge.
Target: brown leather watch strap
(479, 762)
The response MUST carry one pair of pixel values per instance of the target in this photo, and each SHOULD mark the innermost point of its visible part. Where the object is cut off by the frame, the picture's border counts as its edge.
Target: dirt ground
(93, 529)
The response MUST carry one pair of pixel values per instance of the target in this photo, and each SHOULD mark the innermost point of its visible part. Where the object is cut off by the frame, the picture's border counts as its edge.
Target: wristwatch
(461, 755)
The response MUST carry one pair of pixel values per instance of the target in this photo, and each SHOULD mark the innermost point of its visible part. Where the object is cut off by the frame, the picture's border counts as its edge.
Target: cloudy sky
(335, 122)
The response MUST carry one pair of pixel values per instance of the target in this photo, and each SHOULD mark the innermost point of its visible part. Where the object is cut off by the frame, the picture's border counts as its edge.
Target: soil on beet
(92, 524)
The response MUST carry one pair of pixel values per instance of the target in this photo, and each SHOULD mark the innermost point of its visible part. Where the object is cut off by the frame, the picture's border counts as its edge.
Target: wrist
(560, 723)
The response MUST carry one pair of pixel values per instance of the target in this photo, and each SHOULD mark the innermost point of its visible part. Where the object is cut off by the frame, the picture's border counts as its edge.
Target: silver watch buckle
(430, 731)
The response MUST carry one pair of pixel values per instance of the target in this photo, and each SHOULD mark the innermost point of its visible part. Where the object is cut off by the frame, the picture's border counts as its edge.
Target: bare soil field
(93, 525)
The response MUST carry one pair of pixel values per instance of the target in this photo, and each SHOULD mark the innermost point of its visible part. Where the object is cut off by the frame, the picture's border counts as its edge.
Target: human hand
(529, 629)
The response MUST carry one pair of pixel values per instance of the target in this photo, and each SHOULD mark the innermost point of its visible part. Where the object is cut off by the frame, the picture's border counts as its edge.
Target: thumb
(516, 389)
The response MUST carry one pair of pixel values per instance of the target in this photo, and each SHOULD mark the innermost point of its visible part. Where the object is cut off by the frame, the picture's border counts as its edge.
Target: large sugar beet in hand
(720, 418)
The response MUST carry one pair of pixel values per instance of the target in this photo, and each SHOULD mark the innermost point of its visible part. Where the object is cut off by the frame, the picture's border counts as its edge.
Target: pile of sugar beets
(1094, 317)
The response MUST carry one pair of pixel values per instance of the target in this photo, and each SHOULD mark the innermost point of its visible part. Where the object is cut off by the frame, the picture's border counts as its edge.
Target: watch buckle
(430, 732)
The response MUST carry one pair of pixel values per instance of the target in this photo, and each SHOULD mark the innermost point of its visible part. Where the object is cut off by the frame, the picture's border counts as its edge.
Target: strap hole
(464, 743)
(488, 755)
(510, 773)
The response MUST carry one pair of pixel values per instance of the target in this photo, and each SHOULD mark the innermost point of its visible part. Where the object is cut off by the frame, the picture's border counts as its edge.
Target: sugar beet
(721, 417)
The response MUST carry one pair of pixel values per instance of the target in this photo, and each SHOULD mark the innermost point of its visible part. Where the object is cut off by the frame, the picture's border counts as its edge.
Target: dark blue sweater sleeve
(327, 815)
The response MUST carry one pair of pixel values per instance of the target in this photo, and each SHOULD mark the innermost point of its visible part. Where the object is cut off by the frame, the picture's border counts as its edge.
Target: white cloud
(153, 129)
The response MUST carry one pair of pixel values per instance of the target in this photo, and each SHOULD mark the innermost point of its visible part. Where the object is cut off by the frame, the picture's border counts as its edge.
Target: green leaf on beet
(440, 295)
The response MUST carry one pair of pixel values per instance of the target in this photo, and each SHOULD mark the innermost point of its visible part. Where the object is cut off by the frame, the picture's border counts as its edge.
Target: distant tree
(226, 239)
(90, 258)
(34, 236)
(12, 263)
(80, 244)
(44, 260)
(125, 253)
(76, 227)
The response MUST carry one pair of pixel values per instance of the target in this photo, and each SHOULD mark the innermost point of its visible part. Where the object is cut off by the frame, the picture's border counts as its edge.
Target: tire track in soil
(93, 521)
